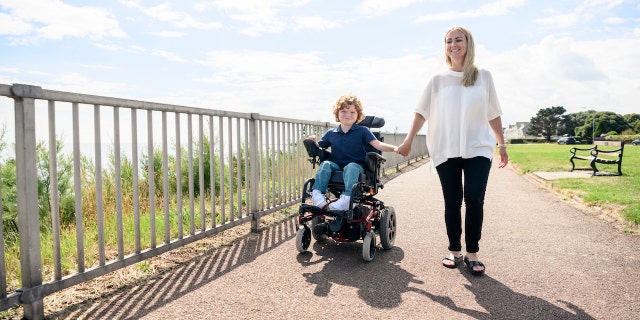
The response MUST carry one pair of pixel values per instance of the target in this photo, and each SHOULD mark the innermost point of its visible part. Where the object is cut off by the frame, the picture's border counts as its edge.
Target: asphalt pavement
(544, 257)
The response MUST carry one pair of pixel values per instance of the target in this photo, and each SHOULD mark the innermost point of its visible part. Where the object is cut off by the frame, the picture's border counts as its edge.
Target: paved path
(545, 260)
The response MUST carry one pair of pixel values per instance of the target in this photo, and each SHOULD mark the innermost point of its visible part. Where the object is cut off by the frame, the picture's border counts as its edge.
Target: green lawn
(620, 193)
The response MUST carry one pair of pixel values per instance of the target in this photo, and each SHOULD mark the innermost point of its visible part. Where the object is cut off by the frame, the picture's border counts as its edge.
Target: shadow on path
(380, 283)
(138, 300)
(501, 302)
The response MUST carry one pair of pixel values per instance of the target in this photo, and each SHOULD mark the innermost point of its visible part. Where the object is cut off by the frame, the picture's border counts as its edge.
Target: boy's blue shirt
(347, 147)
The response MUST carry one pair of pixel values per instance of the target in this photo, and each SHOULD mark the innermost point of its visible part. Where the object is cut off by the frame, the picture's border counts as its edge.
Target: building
(517, 131)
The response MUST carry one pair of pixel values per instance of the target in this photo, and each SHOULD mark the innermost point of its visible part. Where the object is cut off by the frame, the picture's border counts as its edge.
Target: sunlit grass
(621, 192)
(228, 206)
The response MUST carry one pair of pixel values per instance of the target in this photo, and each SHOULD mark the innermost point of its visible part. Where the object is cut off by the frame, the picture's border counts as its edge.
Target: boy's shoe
(340, 204)
(319, 200)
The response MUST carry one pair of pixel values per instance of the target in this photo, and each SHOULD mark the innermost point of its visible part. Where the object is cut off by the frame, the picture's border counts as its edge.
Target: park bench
(602, 152)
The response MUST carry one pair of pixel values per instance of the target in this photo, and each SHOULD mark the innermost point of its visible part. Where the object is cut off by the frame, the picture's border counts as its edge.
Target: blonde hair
(345, 101)
(468, 68)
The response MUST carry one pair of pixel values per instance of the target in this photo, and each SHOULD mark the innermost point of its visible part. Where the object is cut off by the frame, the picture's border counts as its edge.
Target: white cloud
(562, 72)
(584, 12)
(109, 47)
(256, 66)
(253, 6)
(9, 70)
(260, 19)
(166, 12)
(40, 74)
(37, 18)
(302, 82)
(306, 86)
(13, 26)
(564, 20)
(558, 71)
(260, 16)
(374, 8)
(76, 82)
(94, 66)
(313, 23)
(169, 34)
(139, 50)
(496, 8)
(614, 20)
(168, 55)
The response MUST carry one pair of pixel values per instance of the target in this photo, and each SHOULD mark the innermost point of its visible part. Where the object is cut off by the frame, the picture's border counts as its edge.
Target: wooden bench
(611, 154)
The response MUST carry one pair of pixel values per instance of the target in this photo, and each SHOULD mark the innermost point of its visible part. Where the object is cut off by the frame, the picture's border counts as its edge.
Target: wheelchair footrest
(336, 224)
(319, 211)
(304, 208)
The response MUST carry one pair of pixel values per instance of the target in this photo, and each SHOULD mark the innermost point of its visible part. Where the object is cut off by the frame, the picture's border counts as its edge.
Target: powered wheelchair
(366, 218)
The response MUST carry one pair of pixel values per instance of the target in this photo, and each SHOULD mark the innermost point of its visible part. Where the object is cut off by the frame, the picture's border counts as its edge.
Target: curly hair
(345, 101)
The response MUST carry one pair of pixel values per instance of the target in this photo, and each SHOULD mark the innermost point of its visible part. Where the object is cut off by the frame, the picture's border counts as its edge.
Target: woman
(463, 111)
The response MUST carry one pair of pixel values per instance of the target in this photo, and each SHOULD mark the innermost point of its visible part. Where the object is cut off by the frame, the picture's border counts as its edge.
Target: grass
(620, 194)
(271, 192)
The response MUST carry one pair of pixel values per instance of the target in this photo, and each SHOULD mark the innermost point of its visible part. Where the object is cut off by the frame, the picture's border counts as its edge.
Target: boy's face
(348, 115)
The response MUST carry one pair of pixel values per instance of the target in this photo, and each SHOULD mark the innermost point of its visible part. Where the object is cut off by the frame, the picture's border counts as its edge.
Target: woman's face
(456, 45)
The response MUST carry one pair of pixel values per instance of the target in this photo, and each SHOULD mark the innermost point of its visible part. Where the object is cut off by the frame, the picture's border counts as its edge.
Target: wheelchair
(366, 218)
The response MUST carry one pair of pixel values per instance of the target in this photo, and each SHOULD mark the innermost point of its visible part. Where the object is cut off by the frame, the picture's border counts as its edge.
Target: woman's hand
(504, 157)
(403, 149)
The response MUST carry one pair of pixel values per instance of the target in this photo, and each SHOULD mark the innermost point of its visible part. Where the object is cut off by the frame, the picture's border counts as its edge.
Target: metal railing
(173, 175)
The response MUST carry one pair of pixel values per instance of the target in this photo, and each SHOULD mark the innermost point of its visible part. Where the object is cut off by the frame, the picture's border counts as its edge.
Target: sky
(295, 58)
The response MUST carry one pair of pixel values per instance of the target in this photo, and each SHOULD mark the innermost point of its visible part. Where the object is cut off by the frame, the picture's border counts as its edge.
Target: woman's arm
(418, 121)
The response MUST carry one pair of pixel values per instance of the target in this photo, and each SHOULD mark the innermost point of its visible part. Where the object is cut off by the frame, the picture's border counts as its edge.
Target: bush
(623, 137)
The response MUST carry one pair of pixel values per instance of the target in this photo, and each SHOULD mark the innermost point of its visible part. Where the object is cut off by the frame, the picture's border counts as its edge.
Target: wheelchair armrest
(313, 150)
(372, 160)
(316, 154)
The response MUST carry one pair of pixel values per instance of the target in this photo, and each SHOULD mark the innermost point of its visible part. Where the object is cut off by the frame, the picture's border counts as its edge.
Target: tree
(598, 123)
(548, 122)
(633, 120)
(575, 120)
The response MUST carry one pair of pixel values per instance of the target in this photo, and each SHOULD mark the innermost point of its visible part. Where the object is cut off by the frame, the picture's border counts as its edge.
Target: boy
(347, 142)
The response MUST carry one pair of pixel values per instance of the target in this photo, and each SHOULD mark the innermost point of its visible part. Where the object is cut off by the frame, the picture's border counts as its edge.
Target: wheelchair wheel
(316, 235)
(388, 228)
(303, 239)
(369, 246)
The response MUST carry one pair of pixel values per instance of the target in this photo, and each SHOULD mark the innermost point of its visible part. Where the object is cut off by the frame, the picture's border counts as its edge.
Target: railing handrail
(81, 98)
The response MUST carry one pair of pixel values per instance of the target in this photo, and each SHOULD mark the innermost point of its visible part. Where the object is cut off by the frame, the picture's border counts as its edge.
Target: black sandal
(456, 261)
(471, 264)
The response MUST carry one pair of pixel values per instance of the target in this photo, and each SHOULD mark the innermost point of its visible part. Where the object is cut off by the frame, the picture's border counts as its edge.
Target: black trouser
(476, 174)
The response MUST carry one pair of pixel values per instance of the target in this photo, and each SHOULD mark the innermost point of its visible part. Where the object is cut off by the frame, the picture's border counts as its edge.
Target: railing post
(254, 170)
(27, 197)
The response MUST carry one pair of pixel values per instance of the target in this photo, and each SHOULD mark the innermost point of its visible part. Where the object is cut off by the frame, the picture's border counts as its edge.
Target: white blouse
(458, 116)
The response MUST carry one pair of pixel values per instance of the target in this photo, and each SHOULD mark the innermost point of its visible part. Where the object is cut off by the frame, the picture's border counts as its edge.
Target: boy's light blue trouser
(350, 174)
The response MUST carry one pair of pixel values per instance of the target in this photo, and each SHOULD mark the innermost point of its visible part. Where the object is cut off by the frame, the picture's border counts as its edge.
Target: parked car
(636, 142)
(567, 140)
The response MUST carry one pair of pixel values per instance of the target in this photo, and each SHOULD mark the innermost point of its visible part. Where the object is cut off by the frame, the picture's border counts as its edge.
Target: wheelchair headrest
(372, 122)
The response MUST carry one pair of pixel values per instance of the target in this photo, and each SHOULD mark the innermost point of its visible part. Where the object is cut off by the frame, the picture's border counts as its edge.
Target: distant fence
(134, 180)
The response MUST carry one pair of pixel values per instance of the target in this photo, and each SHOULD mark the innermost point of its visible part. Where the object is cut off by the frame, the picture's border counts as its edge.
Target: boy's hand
(312, 137)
